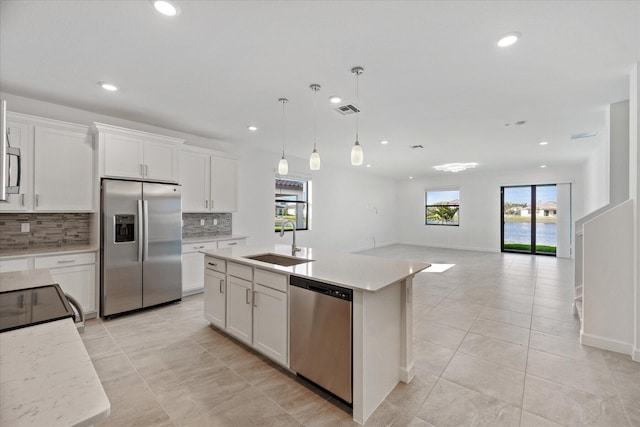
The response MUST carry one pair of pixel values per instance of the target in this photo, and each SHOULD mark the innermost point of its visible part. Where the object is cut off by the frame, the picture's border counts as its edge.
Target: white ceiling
(433, 73)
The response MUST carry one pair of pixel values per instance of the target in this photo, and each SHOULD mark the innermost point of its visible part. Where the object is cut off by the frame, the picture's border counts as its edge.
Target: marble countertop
(16, 253)
(354, 271)
(211, 238)
(46, 375)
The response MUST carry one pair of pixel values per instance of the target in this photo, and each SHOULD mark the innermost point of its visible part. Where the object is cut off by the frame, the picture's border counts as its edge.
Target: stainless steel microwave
(9, 159)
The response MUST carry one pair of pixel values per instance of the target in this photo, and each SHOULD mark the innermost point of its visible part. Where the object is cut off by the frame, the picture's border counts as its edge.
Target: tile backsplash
(47, 230)
(192, 224)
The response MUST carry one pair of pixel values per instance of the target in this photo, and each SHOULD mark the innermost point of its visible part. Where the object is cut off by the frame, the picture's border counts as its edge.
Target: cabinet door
(192, 272)
(270, 323)
(239, 308)
(123, 156)
(215, 297)
(19, 137)
(194, 177)
(79, 282)
(160, 161)
(63, 170)
(223, 185)
(14, 264)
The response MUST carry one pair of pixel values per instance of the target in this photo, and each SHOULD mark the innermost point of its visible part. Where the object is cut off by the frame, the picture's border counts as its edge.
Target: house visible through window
(292, 203)
(442, 207)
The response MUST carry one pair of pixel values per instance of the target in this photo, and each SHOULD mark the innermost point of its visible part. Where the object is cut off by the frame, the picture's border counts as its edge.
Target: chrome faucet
(294, 249)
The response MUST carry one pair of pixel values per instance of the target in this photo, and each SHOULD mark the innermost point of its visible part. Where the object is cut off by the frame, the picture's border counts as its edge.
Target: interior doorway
(529, 219)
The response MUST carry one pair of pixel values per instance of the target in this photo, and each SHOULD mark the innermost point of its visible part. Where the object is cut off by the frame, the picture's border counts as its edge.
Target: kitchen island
(382, 310)
(46, 375)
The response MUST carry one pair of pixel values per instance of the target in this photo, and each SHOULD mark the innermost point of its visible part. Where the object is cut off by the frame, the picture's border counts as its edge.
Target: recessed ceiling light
(335, 99)
(410, 177)
(368, 165)
(384, 142)
(165, 8)
(508, 39)
(252, 128)
(108, 86)
(543, 143)
(543, 166)
(455, 167)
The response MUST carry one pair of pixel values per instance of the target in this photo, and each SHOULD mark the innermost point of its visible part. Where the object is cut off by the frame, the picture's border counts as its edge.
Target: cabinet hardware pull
(232, 243)
(211, 203)
(146, 170)
(141, 169)
(21, 301)
(248, 296)
(34, 298)
(206, 204)
(222, 286)
(212, 264)
(66, 261)
(198, 247)
(37, 200)
(255, 299)
(22, 199)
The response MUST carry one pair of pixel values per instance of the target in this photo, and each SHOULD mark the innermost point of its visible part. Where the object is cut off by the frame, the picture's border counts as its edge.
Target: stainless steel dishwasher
(320, 328)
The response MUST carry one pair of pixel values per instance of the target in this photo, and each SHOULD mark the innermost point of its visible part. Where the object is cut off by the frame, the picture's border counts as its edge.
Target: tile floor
(495, 343)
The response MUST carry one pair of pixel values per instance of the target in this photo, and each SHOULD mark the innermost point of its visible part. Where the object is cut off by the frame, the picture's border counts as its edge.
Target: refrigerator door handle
(145, 239)
(140, 236)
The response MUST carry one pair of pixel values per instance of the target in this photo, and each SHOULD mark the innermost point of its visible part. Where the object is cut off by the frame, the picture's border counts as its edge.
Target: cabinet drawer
(65, 260)
(215, 264)
(241, 271)
(195, 247)
(272, 280)
(231, 243)
(15, 264)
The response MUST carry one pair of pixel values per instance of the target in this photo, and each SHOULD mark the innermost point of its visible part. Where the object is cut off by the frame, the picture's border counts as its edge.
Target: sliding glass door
(529, 219)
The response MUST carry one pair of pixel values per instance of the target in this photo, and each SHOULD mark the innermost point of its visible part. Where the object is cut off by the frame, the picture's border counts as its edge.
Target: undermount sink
(284, 261)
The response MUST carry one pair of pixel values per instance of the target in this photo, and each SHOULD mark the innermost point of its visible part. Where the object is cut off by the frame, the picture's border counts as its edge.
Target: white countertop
(46, 375)
(359, 272)
(18, 253)
(211, 238)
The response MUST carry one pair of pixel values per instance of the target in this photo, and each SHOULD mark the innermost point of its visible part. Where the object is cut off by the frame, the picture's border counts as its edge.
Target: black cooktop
(32, 306)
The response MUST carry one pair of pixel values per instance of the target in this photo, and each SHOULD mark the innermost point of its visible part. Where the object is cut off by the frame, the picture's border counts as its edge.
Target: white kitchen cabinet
(18, 133)
(223, 185)
(127, 153)
(63, 169)
(194, 177)
(57, 167)
(215, 298)
(239, 308)
(231, 243)
(14, 264)
(209, 182)
(270, 323)
(193, 266)
(75, 273)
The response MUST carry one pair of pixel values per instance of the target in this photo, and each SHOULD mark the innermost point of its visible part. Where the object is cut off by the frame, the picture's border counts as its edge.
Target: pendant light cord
(357, 102)
(315, 117)
(283, 102)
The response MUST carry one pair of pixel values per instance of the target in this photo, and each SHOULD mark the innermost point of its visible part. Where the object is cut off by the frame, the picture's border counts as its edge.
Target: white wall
(634, 193)
(350, 208)
(595, 177)
(618, 127)
(479, 206)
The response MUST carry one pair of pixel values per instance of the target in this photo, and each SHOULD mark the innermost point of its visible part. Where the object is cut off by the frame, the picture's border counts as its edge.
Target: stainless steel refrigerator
(141, 244)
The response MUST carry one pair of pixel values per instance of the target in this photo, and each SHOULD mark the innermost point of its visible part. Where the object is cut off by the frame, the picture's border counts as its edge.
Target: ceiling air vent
(415, 147)
(583, 135)
(347, 109)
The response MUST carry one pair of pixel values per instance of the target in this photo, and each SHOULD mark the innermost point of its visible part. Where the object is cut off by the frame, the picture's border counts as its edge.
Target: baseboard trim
(608, 344)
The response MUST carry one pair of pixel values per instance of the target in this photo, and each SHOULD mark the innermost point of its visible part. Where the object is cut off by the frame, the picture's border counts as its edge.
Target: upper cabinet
(56, 168)
(126, 153)
(208, 181)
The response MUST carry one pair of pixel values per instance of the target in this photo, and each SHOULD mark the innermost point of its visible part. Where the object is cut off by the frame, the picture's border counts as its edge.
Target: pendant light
(314, 159)
(357, 156)
(283, 166)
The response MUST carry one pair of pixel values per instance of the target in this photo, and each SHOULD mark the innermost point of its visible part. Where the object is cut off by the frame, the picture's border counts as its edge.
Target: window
(292, 203)
(442, 207)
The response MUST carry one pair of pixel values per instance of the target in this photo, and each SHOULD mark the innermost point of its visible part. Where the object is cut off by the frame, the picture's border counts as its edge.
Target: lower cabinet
(239, 308)
(215, 298)
(256, 306)
(193, 263)
(79, 282)
(270, 323)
